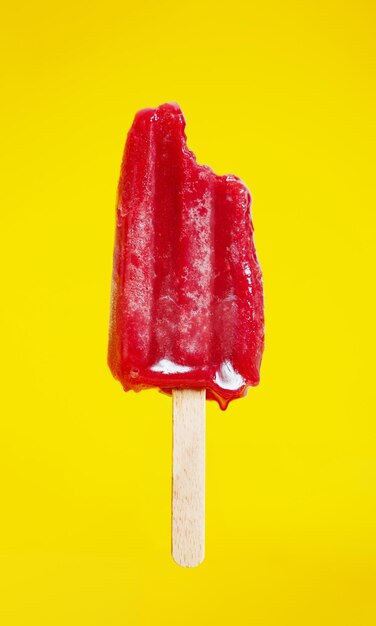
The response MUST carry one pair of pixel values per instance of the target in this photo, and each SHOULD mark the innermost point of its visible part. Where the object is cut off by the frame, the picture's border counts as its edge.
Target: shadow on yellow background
(282, 95)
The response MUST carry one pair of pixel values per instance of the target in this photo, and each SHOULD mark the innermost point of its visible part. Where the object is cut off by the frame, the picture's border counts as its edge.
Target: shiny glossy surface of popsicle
(187, 296)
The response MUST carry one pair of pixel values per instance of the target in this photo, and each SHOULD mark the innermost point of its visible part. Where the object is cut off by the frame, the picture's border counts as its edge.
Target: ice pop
(187, 297)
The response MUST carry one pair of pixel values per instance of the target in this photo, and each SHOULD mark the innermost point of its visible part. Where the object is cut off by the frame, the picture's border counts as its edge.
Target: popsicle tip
(170, 105)
(147, 117)
(165, 108)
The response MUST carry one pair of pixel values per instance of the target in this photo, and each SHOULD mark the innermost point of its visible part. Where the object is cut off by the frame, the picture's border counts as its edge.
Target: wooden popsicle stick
(188, 477)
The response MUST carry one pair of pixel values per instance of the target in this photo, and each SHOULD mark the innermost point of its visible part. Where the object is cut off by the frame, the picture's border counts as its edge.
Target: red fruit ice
(187, 296)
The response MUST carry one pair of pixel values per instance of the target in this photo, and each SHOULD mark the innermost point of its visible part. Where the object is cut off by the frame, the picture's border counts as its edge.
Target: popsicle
(187, 296)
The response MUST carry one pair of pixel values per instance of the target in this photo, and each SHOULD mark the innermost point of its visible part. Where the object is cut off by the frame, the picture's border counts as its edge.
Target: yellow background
(280, 93)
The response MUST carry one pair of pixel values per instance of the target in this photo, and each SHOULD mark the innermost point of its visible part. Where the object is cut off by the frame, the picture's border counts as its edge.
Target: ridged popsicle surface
(187, 295)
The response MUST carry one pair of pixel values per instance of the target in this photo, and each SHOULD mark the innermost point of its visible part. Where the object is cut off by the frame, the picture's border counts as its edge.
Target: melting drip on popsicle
(187, 296)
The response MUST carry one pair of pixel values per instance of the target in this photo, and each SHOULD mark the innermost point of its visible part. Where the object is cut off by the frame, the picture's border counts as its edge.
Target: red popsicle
(187, 298)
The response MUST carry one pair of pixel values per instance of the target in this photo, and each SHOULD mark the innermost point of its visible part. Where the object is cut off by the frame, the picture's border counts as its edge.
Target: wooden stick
(188, 477)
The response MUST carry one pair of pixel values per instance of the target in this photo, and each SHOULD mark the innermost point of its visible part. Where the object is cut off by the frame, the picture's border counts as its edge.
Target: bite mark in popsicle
(187, 296)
